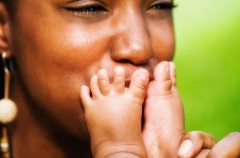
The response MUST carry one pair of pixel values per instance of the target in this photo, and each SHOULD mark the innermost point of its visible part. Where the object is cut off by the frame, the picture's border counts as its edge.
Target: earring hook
(5, 67)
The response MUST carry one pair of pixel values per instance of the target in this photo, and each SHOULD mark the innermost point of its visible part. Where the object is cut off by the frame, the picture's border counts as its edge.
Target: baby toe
(139, 84)
(173, 73)
(103, 81)
(94, 87)
(119, 79)
(85, 96)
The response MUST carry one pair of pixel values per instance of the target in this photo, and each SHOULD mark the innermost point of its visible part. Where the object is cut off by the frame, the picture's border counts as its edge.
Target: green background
(208, 64)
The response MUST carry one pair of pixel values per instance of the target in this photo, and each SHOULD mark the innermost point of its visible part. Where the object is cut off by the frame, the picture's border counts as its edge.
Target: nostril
(129, 62)
(134, 57)
(132, 44)
(124, 61)
(131, 53)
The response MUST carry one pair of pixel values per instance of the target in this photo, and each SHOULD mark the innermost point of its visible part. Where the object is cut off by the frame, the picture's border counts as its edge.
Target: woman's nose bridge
(132, 42)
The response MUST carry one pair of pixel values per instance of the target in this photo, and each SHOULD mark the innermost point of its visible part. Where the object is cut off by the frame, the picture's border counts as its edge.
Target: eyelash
(94, 9)
(87, 10)
(168, 6)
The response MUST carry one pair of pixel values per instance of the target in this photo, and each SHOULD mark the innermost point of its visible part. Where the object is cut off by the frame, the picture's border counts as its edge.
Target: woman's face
(58, 45)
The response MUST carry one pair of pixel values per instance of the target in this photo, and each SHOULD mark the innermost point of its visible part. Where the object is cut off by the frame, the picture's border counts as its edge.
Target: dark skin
(55, 50)
(61, 65)
(52, 53)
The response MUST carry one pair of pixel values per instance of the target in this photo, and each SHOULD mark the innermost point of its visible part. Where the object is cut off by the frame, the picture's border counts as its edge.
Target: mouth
(129, 70)
(128, 79)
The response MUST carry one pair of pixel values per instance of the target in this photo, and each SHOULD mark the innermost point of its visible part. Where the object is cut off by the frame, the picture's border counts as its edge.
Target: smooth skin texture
(163, 103)
(55, 50)
(122, 137)
(56, 46)
(123, 106)
(113, 113)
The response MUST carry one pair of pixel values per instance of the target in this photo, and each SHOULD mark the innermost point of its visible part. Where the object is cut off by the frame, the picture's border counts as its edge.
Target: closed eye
(87, 10)
(167, 6)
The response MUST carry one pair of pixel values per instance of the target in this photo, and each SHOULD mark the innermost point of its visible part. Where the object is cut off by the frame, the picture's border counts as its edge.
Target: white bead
(4, 145)
(8, 111)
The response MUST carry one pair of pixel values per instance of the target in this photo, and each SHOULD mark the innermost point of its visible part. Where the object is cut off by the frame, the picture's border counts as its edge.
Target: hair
(8, 3)
(10, 6)
(1, 81)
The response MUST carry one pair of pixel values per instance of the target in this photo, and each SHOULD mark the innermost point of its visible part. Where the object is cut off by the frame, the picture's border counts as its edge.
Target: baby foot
(113, 113)
(163, 114)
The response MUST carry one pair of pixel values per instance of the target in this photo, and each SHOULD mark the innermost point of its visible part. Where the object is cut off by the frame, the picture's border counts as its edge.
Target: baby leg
(163, 114)
(113, 113)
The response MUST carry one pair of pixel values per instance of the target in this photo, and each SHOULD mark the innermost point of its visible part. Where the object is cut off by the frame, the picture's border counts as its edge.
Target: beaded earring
(8, 110)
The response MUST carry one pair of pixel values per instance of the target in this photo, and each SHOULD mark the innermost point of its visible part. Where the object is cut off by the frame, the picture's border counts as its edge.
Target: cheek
(64, 53)
(54, 59)
(163, 40)
(56, 47)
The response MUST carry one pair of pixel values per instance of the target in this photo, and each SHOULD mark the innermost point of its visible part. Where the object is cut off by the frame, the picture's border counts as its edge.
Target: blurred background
(208, 64)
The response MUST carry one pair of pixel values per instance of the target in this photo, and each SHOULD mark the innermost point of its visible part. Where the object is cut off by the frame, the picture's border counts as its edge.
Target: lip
(128, 81)
(130, 69)
(128, 75)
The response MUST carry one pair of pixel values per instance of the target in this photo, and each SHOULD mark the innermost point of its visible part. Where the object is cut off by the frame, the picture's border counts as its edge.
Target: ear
(4, 31)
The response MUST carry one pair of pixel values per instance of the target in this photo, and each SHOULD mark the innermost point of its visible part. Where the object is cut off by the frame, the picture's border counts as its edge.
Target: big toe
(139, 84)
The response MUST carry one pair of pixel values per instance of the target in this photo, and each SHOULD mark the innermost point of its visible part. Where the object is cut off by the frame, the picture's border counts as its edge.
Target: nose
(131, 42)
